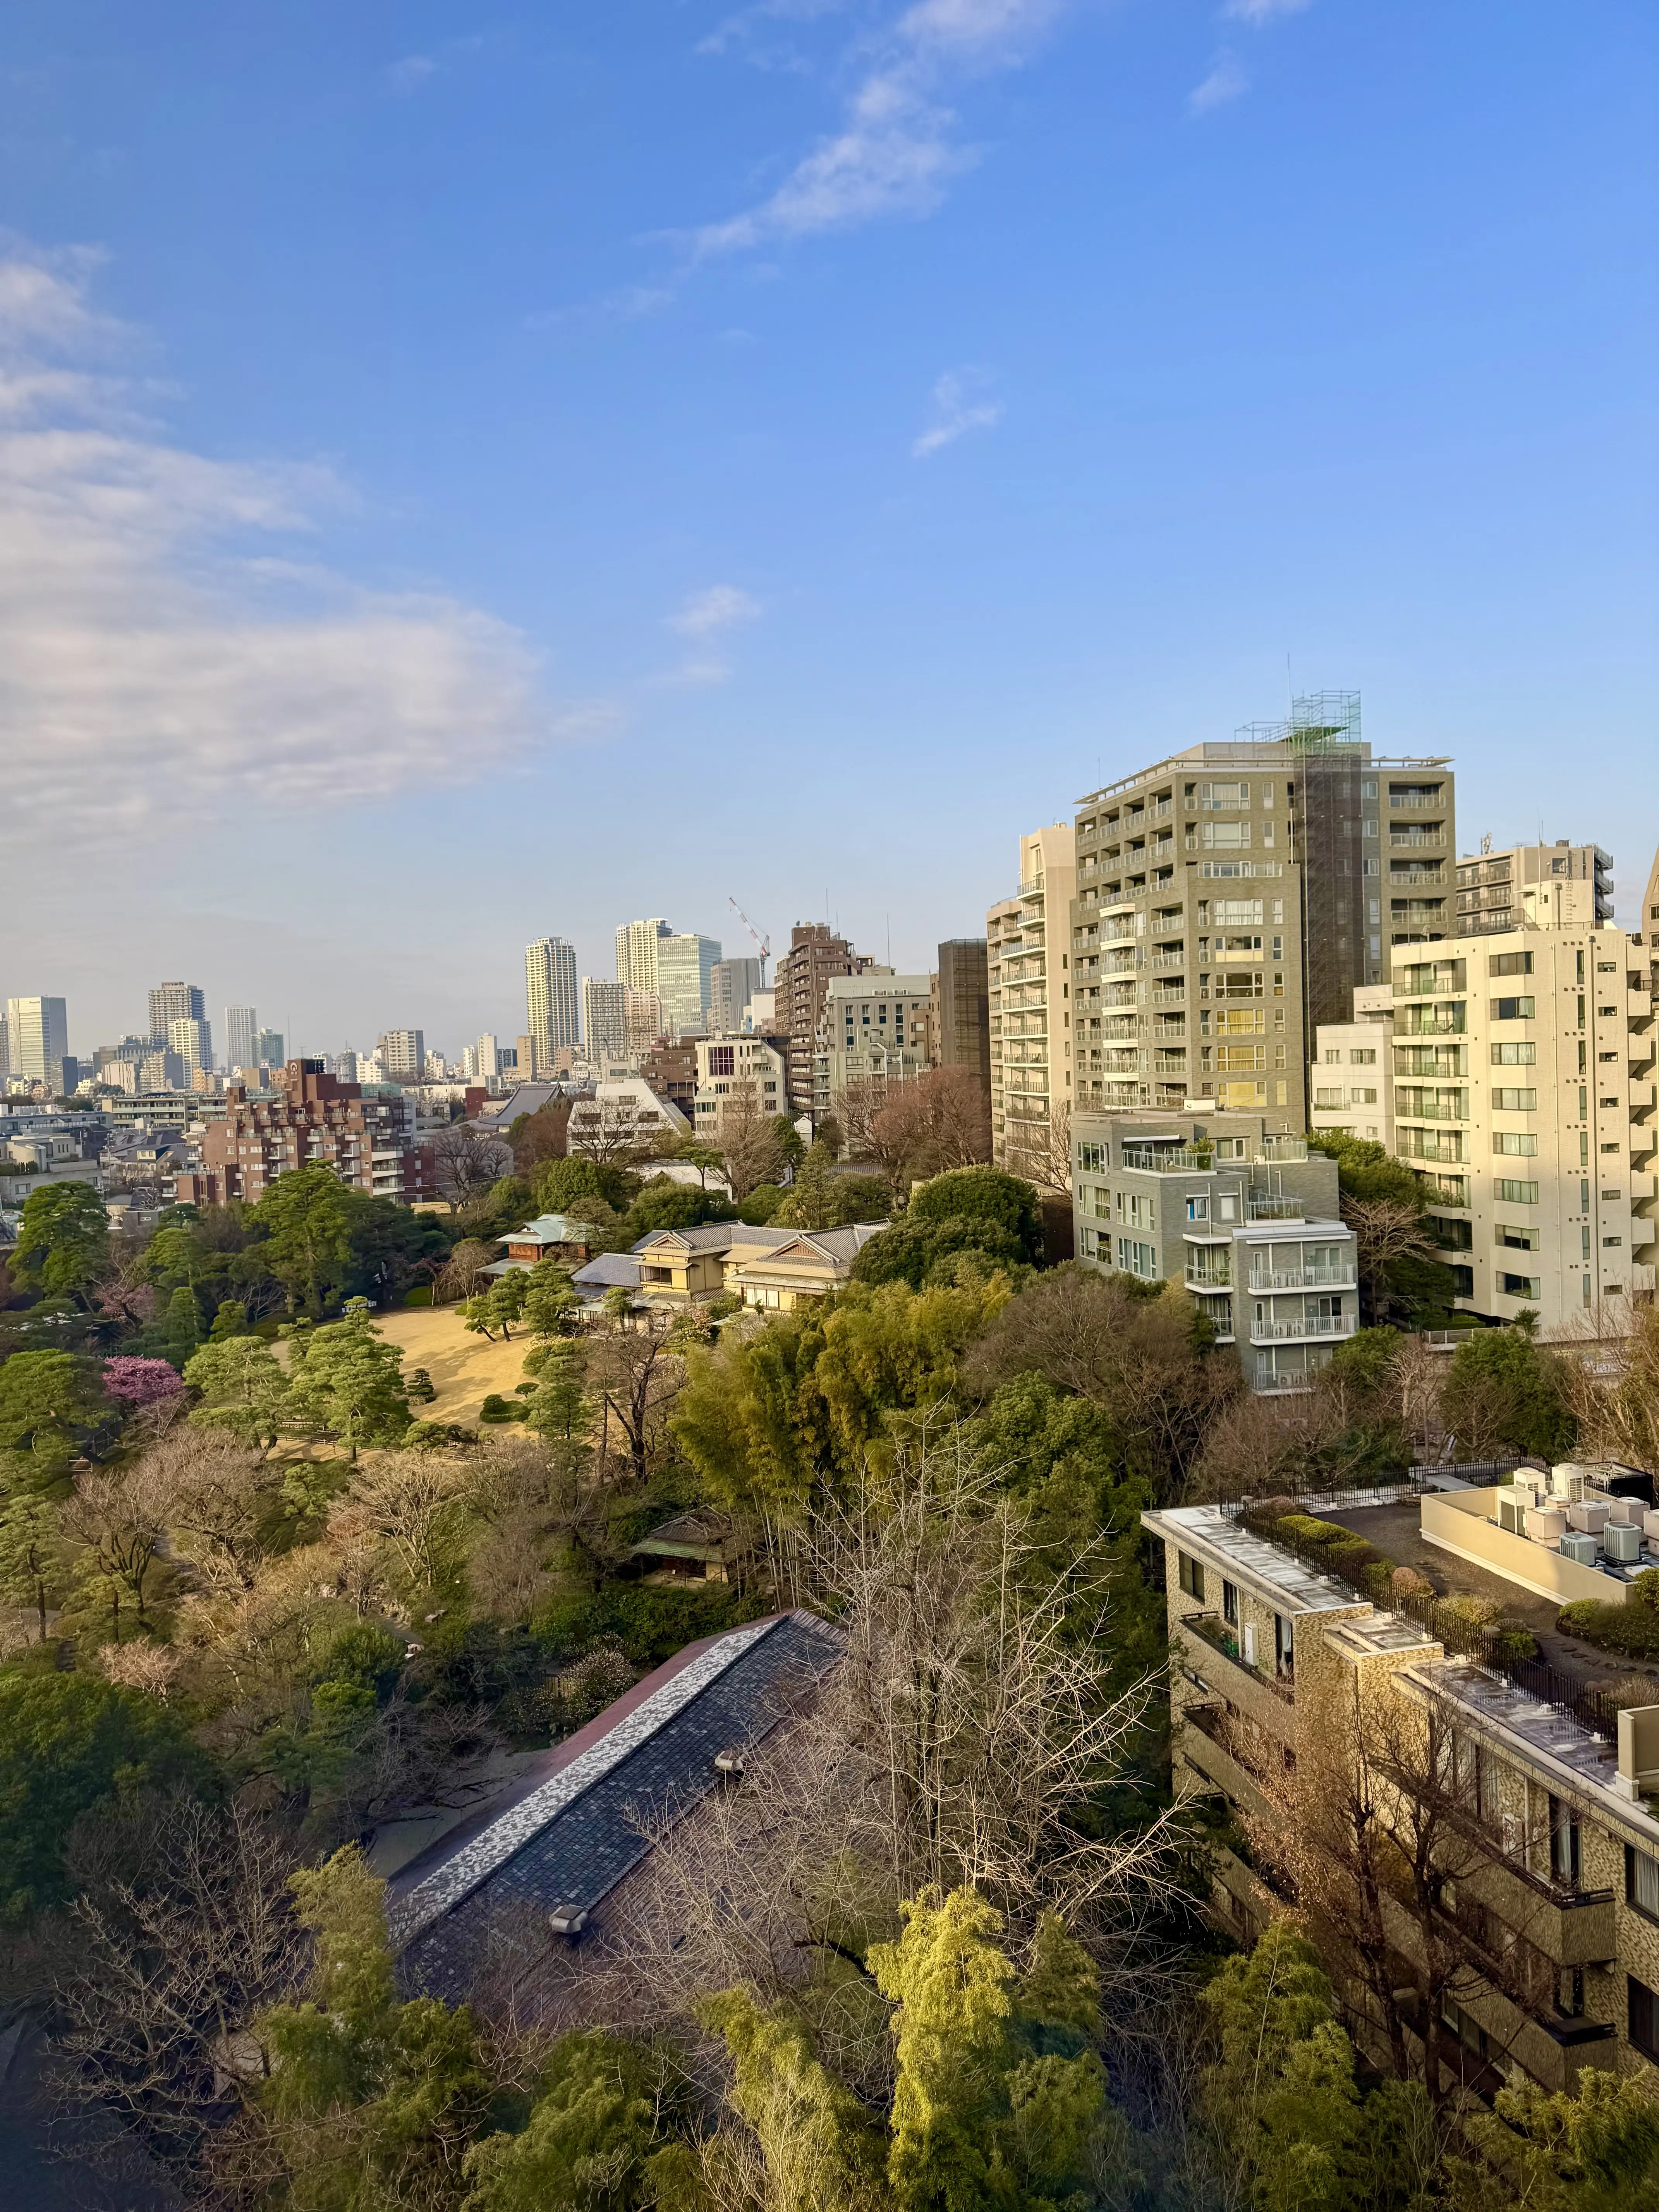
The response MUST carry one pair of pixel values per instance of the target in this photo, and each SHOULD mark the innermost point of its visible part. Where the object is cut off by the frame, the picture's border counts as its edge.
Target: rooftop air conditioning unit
(1529, 1482)
(1590, 1514)
(1544, 1526)
(1626, 1512)
(1580, 1546)
(1567, 1481)
(1622, 1542)
(1512, 1508)
(1650, 1527)
(567, 1919)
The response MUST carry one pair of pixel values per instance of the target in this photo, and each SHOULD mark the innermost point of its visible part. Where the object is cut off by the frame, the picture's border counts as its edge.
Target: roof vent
(567, 1919)
(730, 1762)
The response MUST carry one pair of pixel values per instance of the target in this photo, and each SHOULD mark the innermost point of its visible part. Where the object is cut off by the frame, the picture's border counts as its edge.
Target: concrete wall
(1458, 1521)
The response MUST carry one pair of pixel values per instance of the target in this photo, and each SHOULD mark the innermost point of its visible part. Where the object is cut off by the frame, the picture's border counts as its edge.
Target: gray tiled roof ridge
(447, 1884)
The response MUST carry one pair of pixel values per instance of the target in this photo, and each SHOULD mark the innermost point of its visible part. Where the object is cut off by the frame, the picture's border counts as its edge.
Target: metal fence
(1479, 1474)
(1349, 1499)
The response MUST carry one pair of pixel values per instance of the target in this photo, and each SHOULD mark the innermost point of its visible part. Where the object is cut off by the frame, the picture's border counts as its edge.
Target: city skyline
(592, 453)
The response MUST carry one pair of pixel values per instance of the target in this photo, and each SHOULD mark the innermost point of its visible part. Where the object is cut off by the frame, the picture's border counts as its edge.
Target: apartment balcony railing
(1279, 1331)
(1275, 1209)
(1432, 1110)
(1167, 995)
(1317, 1279)
(1169, 1159)
(1441, 1061)
(1417, 834)
(1212, 1630)
(1413, 802)
(1288, 1150)
(1169, 1063)
(1422, 1021)
(1166, 960)
(1209, 1278)
(1405, 879)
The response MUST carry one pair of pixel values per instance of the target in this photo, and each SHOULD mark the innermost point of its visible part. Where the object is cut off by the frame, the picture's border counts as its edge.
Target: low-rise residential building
(369, 1141)
(1508, 1803)
(549, 1236)
(1351, 1083)
(806, 1267)
(875, 1028)
(1238, 1211)
(750, 1069)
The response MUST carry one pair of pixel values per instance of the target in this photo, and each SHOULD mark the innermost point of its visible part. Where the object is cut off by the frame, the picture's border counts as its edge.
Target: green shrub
(1316, 1532)
(651, 1623)
(1509, 1642)
(1631, 1629)
(761, 1205)
(367, 1655)
(421, 1295)
(428, 1436)
(497, 1408)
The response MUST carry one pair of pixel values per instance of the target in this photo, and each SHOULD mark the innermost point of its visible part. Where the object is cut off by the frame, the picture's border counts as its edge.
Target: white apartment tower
(1230, 898)
(1559, 886)
(550, 996)
(685, 975)
(605, 1020)
(37, 1040)
(1352, 1080)
(193, 1040)
(1525, 1101)
(241, 1028)
(1028, 992)
(636, 953)
(173, 1002)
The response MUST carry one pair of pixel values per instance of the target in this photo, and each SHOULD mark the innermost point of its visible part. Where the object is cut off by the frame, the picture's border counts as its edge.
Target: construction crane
(764, 943)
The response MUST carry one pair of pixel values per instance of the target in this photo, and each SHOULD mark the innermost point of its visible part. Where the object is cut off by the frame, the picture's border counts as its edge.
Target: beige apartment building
(1559, 886)
(874, 1029)
(1524, 1065)
(1028, 995)
(1522, 1785)
(1231, 897)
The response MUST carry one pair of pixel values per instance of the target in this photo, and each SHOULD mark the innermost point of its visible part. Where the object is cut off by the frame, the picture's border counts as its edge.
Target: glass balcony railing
(1313, 1278)
(1271, 1332)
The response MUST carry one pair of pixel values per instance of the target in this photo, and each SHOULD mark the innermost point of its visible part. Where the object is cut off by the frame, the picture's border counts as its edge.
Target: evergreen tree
(351, 1386)
(243, 1386)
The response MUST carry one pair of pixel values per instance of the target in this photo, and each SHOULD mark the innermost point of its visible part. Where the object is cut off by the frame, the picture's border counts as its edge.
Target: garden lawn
(464, 1368)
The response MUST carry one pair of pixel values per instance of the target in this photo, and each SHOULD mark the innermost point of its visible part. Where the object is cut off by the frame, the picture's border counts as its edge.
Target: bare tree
(1385, 1229)
(115, 1522)
(414, 1500)
(940, 1120)
(637, 1375)
(1041, 1152)
(174, 1959)
(750, 1144)
(469, 1162)
(462, 1276)
(855, 1109)
(614, 1132)
(1613, 1390)
(216, 1497)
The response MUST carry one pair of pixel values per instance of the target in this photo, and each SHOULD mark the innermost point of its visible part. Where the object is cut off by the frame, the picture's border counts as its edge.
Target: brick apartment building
(815, 954)
(370, 1143)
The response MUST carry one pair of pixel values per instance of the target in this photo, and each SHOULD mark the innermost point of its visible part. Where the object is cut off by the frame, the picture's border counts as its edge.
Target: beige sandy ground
(464, 1368)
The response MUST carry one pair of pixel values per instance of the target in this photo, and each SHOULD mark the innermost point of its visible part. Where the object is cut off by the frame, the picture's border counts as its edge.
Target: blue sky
(470, 473)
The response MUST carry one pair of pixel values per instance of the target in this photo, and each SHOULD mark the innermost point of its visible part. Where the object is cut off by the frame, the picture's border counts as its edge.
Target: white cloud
(412, 70)
(722, 606)
(954, 411)
(897, 149)
(1226, 81)
(1263, 11)
(157, 664)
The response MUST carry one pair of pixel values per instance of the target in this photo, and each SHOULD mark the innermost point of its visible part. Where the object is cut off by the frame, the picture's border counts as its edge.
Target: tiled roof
(572, 1834)
(605, 1270)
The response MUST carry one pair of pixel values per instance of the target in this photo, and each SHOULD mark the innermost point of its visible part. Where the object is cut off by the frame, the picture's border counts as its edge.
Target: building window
(1565, 1856)
(1643, 2019)
(1642, 1880)
(1230, 1603)
(1514, 1056)
(1521, 1286)
(1284, 1645)
(1190, 1572)
(1511, 1010)
(1510, 963)
(722, 1060)
(1515, 1193)
(1510, 1100)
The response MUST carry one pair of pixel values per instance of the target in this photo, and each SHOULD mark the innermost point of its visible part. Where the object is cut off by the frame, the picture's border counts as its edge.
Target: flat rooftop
(1277, 1573)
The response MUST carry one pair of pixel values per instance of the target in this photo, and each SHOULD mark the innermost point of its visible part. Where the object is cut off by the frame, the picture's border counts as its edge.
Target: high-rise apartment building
(605, 1020)
(402, 1054)
(241, 1027)
(643, 1022)
(550, 996)
(1559, 886)
(37, 1041)
(193, 1042)
(876, 1028)
(816, 953)
(1523, 1098)
(173, 1002)
(961, 1010)
(1030, 988)
(1230, 898)
(731, 985)
(267, 1049)
(685, 973)
(636, 953)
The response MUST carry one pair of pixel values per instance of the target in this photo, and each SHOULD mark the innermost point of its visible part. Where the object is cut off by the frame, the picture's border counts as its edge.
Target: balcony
(1288, 1150)
(1404, 879)
(1419, 834)
(1169, 1159)
(1215, 1635)
(1275, 1209)
(1334, 1279)
(1414, 802)
(1167, 960)
(1431, 1109)
(1167, 995)
(1309, 1326)
(1426, 1021)
(1201, 1277)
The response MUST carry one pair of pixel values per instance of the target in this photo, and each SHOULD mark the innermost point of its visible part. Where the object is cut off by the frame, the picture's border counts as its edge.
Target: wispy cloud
(1263, 11)
(1227, 80)
(898, 145)
(955, 410)
(705, 614)
(411, 71)
(163, 654)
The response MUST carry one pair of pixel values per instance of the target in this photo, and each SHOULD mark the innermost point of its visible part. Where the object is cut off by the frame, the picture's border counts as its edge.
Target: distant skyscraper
(731, 985)
(173, 1002)
(242, 1024)
(643, 1022)
(345, 1066)
(605, 1019)
(267, 1049)
(685, 970)
(193, 1040)
(37, 1040)
(550, 997)
(637, 944)
(402, 1054)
